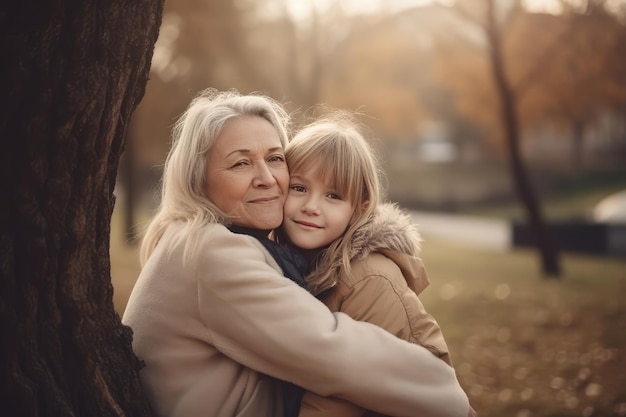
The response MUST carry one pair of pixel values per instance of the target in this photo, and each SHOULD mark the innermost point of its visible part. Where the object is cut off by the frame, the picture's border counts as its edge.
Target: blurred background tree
(420, 78)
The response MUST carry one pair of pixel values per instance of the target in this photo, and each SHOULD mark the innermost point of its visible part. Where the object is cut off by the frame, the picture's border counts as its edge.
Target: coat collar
(392, 232)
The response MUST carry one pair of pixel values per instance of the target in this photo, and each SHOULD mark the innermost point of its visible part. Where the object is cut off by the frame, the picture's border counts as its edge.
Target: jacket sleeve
(268, 323)
(314, 405)
(374, 298)
(384, 300)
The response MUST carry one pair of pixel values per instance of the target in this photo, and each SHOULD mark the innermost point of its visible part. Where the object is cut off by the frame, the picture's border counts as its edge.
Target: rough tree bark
(537, 225)
(72, 74)
(128, 179)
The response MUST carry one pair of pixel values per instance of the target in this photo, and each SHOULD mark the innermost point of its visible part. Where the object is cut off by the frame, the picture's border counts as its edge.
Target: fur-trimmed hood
(390, 228)
(391, 232)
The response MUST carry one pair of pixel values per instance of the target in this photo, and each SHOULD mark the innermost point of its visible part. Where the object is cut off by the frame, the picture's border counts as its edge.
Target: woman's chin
(266, 223)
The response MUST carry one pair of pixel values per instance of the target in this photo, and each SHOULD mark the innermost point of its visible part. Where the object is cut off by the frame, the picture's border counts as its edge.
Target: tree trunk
(538, 228)
(72, 74)
(128, 173)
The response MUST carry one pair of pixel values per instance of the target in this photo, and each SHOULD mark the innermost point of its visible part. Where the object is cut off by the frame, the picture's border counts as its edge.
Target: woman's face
(247, 176)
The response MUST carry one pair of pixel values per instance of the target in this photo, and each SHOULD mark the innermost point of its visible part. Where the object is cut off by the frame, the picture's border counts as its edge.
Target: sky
(300, 9)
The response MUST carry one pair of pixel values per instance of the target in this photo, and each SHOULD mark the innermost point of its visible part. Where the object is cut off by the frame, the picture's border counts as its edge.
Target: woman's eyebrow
(248, 151)
(244, 151)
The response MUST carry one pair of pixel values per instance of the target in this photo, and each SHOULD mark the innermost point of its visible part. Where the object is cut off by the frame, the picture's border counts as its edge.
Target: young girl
(365, 254)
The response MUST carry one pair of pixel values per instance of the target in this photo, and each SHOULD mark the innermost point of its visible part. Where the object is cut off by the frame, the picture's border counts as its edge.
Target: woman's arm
(268, 323)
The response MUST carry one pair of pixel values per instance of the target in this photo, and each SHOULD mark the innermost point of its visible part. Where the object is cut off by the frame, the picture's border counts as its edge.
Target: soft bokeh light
(421, 79)
(301, 9)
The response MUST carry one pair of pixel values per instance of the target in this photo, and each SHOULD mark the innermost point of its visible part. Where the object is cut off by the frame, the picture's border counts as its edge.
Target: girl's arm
(382, 299)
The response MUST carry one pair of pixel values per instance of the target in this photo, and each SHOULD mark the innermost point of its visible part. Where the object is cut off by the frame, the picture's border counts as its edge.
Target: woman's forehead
(248, 134)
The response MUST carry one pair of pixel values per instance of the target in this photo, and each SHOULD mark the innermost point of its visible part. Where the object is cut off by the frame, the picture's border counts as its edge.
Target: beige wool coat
(382, 288)
(216, 331)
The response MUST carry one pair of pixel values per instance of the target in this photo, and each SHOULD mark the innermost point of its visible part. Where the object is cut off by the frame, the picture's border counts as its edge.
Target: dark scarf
(293, 263)
(295, 267)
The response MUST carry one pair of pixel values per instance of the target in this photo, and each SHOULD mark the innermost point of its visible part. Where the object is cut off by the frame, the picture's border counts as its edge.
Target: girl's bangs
(339, 169)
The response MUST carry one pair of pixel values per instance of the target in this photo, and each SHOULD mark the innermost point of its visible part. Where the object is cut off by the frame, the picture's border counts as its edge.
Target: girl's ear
(358, 211)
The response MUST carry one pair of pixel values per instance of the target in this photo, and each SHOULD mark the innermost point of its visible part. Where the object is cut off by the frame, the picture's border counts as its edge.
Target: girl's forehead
(319, 169)
(317, 172)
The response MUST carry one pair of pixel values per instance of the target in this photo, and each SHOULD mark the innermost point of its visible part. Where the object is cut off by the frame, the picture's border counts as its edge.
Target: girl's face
(314, 213)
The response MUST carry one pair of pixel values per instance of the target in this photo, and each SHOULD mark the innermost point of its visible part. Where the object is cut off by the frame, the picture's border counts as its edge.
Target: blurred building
(601, 144)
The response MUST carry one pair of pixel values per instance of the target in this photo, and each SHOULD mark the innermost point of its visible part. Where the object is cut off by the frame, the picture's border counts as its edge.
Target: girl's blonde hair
(335, 148)
(183, 188)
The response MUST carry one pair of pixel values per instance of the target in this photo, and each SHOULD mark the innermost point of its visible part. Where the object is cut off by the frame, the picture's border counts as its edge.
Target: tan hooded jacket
(382, 287)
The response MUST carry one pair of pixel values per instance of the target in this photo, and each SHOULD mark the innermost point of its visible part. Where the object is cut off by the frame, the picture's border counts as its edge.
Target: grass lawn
(522, 346)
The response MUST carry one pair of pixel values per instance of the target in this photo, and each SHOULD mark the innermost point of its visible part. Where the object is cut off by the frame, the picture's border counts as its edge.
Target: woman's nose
(263, 176)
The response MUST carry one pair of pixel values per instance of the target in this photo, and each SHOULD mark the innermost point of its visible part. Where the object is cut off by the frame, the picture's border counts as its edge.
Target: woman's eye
(277, 158)
(240, 163)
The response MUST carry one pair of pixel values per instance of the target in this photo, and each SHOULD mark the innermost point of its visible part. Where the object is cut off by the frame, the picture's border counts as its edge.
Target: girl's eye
(297, 188)
(334, 196)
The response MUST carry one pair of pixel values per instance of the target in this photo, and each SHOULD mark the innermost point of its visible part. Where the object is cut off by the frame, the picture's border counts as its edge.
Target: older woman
(215, 321)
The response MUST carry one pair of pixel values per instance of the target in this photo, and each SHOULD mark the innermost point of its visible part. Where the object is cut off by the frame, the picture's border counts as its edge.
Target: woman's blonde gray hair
(183, 188)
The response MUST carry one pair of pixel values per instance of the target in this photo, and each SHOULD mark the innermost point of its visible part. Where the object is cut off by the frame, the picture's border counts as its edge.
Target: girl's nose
(311, 206)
